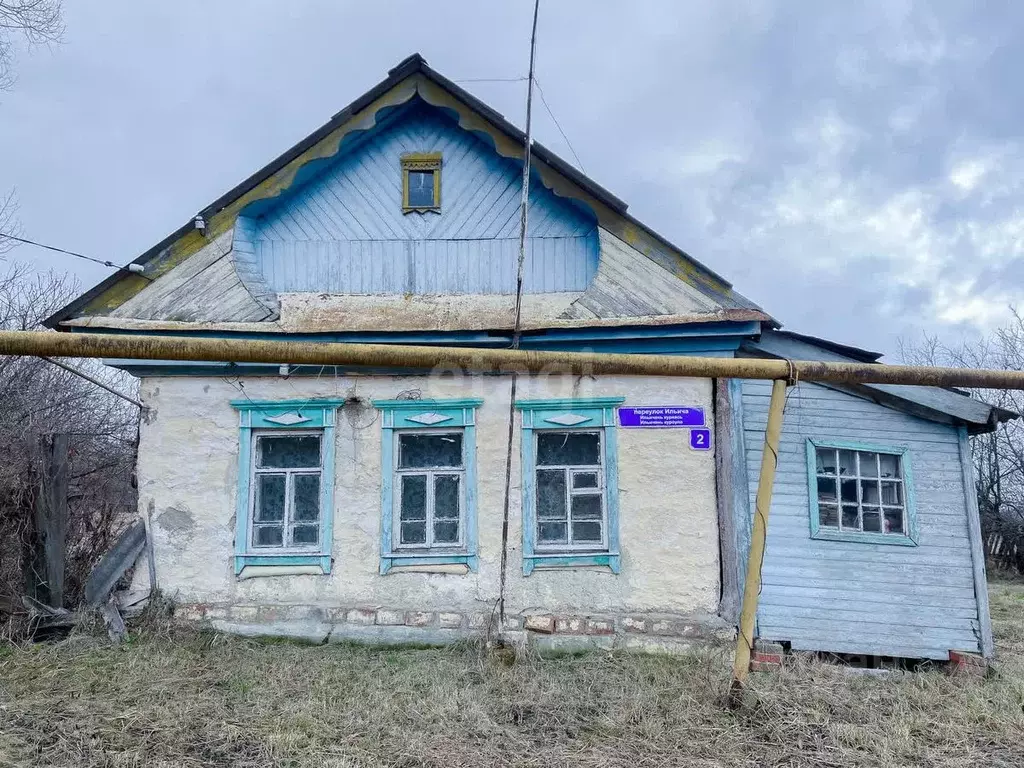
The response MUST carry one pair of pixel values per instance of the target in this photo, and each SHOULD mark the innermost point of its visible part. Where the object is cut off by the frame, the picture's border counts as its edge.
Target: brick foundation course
(632, 630)
(967, 664)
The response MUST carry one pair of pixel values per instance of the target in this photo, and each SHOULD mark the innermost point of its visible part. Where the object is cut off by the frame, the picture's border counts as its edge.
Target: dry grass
(210, 700)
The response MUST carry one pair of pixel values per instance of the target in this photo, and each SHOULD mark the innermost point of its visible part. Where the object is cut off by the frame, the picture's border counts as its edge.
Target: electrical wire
(93, 380)
(558, 125)
(491, 80)
(77, 255)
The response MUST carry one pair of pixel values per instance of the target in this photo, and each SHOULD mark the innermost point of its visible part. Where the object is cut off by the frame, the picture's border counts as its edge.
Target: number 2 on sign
(700, 439)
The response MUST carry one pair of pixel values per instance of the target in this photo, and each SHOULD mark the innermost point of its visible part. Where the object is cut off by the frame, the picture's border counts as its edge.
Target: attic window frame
(423, 162)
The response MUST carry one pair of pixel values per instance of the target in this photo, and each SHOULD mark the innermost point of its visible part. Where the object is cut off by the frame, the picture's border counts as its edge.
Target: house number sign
(661, 416)
(668, 417)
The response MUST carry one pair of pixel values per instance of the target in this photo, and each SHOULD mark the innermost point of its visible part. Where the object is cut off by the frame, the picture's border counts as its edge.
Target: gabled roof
(947, 406)
(410, 77)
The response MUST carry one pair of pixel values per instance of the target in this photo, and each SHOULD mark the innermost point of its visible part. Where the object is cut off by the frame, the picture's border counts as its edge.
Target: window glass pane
(586, 507)
(869, 489)
(850, 518)
(586, 530)
(826, 490)
(890, 465)
(584, 479)
(446, 497)
(551, 494)
(872, 519)
(828, 515)
(849, 490)
(288, 451)
(869, 465)
(306, 497)
(414, 497)
(551, 533)
(421, 189)
(826, 461)
(429, 450)
(269, 498)
(846, 463)
(572, 448)
(892, 493)
(414, 533)
(894, 521)
(446, 531)
(268, 535)
(305, 534)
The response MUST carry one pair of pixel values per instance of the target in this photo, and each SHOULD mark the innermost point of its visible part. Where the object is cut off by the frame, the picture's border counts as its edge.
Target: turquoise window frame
(568, 414)
(406, 415)
(828, 534)
(285, 415)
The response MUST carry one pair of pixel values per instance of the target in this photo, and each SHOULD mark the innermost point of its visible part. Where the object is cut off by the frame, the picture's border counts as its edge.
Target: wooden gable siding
(208, 287)
(344, 232)
(852, 597)
(628, 284)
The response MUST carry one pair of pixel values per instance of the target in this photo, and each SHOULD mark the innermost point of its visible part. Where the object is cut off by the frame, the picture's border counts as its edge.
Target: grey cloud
(804, 150)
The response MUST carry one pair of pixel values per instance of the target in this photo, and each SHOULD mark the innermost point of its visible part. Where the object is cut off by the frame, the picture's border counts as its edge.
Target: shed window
(287, 474)
(421, 182)
(861, 493)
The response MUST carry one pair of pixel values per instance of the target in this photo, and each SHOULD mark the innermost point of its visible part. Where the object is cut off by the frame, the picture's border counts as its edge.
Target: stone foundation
(388, 626)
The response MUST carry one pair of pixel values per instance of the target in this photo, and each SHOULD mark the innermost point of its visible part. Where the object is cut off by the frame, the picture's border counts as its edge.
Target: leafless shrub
(998, 455)
(39, 398)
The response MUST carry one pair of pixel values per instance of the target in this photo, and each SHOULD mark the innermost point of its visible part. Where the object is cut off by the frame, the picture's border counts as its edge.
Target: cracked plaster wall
(188, 459)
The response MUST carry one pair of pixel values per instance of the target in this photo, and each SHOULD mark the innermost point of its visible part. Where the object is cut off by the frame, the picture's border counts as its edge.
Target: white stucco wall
(188, 459)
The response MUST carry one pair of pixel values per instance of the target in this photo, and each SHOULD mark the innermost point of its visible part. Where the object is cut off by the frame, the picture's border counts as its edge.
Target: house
(370, 503)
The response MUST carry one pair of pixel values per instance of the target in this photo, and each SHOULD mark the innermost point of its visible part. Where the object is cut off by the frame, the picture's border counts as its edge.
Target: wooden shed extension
(919, 600)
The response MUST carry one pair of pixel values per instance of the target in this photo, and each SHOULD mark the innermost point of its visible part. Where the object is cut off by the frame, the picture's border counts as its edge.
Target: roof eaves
(856, 353)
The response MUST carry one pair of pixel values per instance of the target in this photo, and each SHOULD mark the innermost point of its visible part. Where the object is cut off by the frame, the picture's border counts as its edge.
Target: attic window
(421, 182)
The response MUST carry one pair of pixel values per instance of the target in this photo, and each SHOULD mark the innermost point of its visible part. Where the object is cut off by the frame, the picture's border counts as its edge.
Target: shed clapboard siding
(852, 597)
(344, 231)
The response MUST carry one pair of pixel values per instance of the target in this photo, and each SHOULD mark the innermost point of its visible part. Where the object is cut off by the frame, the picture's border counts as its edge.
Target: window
(284, 508)
(430, 475)
(428, 456)
(570, 483)
(861, 493)
(286, 490)
(421, 182)
(570, 490)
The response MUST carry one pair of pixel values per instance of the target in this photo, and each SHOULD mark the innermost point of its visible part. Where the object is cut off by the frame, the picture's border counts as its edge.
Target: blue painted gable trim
(343, 229)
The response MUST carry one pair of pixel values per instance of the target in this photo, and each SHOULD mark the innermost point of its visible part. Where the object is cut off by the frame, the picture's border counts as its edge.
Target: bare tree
(39, 399)
(8, 221)
(998, 455)
(35, 21)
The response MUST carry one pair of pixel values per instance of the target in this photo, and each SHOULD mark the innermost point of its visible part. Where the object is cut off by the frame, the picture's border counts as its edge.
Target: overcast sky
(855, 168)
